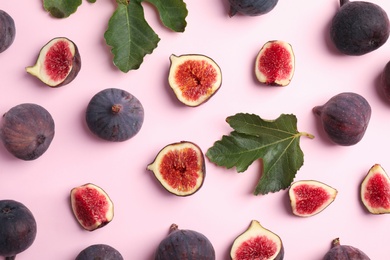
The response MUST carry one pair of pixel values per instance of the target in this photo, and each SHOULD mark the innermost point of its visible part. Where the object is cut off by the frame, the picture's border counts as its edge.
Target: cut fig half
(375, 190)
(91, 206)
(257, 242)
(309, 197)
(194, 78)
(180, 168)
(275, 63)
(58, 62)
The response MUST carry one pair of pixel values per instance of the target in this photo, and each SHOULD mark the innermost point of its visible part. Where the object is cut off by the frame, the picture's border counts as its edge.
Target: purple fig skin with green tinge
(7, 31)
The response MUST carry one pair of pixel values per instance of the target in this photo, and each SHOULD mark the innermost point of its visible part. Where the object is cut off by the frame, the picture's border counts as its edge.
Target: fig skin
(385, 82)
(18, 228)
(99, 251)
(344, 252)
(251, 7)
(359, 27)
(7, 31)
(27, 131)
(345, 118)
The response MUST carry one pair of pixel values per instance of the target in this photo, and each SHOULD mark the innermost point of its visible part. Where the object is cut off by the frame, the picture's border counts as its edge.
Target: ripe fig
(275, 63)
(91, 206)
(194, 78)
(251, 7)
(375, 190)
(385, 81)
(7, 31)
(99, 252)
(58, 62)
(257, 242)
(344, 252)
(27, 131)
(180, 168)
(184, 244)
(114, 115)
(345, 118)
(309, 197)
(359, 27)
(18, 228)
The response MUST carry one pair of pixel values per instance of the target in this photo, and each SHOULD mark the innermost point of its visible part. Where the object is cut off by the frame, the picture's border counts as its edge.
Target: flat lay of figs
(58, 62)
(251, 7)
(184, 244)
(27, 131)
(99, 252)
(344, 252)
(375, 190)
(257, 242)
(310, 197)
(194, 78)
(275, 63)
(7, 30)
(180, 168)
(18, 228)
(359, 27)
(91, 206)
(114, 115)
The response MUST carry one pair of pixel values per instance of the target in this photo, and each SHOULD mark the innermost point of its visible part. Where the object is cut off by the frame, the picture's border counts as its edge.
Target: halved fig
(180, 168)
(309, 197)
(58, 62)
(275, 63)
(194, 78)
(257, 242)
(375, 190)
(91, 206)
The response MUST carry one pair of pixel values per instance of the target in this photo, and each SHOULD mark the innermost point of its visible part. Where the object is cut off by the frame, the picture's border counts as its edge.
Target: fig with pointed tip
(58, 62)
(251, 7)
(359, 27)
(7, 31)
(375, 190)
(194, 78)
(99, 251)
(257, 242)
(344, 252)
(184, 244)
(91, 206)
(180, 168)
(309, 197)
(345, 117)
(275, 63)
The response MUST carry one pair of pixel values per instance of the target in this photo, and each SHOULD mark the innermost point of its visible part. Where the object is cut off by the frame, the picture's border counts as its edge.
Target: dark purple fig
(18, 228)
(180, 168)
(194, 78)
(58, 62)
(385, 81)
(344, 252)
(99, 252)
(345, 118)
(275, 63)
(309, 197)
(7, 30)
(114, 115)
(257, 242)
(182, 244)
(251, 7)
(91, 206)
(359, 27)
(375, 190)
(27, 131)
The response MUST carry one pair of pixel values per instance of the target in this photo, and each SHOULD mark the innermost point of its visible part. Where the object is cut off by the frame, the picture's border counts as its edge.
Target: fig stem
(335, 242)
(115, 109)
(343, 2)
(173, 227)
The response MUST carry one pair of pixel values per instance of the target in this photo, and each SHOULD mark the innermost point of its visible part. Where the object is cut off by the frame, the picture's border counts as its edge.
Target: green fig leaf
(61, 8)
(275, 142)
(172, 13)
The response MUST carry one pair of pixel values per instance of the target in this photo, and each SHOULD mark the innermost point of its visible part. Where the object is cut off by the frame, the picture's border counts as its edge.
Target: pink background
(225, 205)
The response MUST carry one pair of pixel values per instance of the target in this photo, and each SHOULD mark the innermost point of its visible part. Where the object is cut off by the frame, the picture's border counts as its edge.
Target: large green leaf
(172, 13)
(275, 142)
(61, 8)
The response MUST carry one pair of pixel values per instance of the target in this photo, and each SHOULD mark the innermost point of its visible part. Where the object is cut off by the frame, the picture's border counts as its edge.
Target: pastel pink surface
(225, 205)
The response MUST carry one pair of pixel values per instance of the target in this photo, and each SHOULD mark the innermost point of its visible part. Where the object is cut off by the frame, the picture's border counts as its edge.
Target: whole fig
(251, 7)
(344, 252)
(7, 30)
(99, 252)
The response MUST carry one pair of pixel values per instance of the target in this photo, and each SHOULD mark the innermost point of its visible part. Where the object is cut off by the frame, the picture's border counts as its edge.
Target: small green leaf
(172, 13)
(130, 36)
(61, 8)
(275, 142)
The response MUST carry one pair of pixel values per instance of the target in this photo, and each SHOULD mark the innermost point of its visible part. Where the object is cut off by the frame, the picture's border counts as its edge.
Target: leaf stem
(306, 134)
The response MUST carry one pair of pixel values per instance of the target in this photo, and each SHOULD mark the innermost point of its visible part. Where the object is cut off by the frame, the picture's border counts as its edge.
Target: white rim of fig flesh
(256, 231)
(375, 188)
(201, 88)
(100, 220)
(39, 69)
(174, 150)
(281, 73)
(303, 200)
